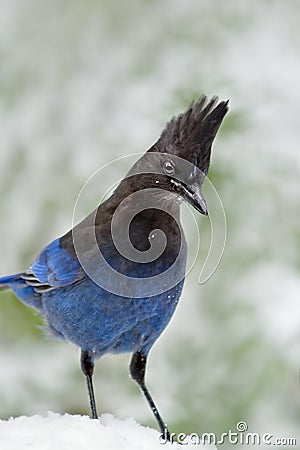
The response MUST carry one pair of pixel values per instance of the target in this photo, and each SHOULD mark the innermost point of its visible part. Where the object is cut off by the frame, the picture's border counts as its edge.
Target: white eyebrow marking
(193, 174)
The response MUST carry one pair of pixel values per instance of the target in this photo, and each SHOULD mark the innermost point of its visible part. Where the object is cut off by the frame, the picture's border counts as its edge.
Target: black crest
(190, 135)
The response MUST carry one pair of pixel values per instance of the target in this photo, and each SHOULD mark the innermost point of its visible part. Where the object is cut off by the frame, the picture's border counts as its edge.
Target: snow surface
(80, 432)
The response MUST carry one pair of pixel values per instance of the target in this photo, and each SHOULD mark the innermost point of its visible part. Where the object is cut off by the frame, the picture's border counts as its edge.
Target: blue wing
(56, 266)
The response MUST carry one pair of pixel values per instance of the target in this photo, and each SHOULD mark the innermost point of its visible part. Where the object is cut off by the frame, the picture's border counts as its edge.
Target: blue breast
(101, 322)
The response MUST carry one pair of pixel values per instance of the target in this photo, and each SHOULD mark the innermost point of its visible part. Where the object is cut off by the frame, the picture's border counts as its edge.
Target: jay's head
(179, 161)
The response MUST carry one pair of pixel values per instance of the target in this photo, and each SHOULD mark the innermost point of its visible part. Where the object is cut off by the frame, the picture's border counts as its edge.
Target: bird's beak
(192, 193)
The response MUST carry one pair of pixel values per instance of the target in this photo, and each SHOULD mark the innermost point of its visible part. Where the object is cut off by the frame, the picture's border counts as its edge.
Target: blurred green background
(83, 83)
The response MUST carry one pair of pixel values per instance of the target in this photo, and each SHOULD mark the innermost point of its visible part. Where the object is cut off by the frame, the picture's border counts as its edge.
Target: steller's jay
(112, 283)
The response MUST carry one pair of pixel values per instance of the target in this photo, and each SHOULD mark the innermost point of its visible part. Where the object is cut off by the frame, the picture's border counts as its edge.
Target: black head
(179, 161)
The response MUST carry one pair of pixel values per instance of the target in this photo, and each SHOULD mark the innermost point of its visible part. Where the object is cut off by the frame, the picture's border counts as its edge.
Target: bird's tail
(5, 282)
(9, 280)
(21, 289)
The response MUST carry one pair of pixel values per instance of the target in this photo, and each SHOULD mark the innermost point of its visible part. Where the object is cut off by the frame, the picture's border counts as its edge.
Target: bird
(111, 284)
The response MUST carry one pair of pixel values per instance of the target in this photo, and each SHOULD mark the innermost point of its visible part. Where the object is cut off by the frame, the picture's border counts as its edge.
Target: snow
(80, 433)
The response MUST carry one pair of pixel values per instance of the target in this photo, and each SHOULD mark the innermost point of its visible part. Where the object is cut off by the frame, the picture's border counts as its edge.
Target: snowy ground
(67, 432)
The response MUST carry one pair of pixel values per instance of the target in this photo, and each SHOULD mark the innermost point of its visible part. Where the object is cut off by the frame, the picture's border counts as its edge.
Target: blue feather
(21, 289)
(5, 281)
(55, 266)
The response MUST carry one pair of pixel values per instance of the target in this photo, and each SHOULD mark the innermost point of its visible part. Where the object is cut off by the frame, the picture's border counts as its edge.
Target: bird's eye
(169, 168)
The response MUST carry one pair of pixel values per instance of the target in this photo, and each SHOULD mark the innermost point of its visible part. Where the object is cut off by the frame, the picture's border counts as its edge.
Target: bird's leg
(137, 372)
(87, 367)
